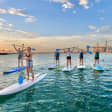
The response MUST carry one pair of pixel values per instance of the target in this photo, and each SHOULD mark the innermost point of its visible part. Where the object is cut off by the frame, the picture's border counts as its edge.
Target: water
(76, 91)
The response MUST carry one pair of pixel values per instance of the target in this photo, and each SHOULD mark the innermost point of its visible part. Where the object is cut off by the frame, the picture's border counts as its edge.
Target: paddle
(33, 49)
(58, 49)
(20, 81)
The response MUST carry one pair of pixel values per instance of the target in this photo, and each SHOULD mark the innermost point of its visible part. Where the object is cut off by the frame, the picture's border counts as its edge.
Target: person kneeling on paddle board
(81, 58)
(20, 52)
(57, 54)
(29, 63)
(97, 57)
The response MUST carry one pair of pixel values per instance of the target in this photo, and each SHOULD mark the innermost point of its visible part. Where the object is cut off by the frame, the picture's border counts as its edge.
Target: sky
(50, 24)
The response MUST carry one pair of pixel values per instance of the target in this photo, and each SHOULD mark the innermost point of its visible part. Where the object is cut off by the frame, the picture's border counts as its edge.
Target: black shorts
(68, 57)
(57, 57)
(96, 58)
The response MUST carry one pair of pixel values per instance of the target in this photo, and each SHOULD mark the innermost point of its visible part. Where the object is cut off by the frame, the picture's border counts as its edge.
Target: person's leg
(22, 62)
(56, 61)
(67, 63)
(95, 61)
(27, 71)
(70, 63)
(79, 61)
(31, 70)
(18, 62)
(82, 61)
(98, 61)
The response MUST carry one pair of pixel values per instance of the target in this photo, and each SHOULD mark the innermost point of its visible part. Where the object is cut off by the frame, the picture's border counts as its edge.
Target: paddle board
(97, 68)
(81, 66)
(65, 69)
(26, 84)
(14, 70)
(55, 66)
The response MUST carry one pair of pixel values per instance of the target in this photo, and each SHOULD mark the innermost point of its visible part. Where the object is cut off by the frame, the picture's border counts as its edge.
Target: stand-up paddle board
(81, 66)
(55, 66)
(65, 69)
(14, 70)
(97, 68)
(20, 87)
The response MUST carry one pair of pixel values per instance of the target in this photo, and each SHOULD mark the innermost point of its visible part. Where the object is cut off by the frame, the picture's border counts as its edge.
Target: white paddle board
(65, 69)
(26, 84)
(81, 66)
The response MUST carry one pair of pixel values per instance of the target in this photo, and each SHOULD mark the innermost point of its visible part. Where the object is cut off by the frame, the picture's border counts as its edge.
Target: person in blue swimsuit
(81, 56)
(57, 55)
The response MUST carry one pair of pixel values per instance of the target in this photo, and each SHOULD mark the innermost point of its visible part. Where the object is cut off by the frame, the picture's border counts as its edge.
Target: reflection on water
(76, 91)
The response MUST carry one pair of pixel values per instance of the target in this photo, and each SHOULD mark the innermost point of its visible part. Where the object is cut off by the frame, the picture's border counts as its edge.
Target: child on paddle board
(20, 52)
(81, 56)
(57, 55)
(96, 57)
(29, 63)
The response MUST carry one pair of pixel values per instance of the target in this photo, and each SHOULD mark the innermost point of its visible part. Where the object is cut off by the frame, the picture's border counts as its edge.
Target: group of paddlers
(26, 53)
(81, 57)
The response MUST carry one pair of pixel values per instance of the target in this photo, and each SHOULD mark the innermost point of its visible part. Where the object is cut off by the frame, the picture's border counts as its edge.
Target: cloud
(2, 19)
(84, 3)
(61, 1)
(30, 19)
(19, 12)
(105, 28)
(6, 27)
(102, 29)
(92, 27)
(3, 11)
(67, 5)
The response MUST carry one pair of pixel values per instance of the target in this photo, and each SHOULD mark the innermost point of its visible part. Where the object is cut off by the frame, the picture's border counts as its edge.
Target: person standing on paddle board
(96, 57)
(29, 63)
(69, 58)
(20, 52)
(81, 56)
(57, 55)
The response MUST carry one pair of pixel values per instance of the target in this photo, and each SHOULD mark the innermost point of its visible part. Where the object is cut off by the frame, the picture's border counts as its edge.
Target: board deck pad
(96, 67)
(14, 70)
(81, 66)
(20, 87)
(65, 69)
(55, 66)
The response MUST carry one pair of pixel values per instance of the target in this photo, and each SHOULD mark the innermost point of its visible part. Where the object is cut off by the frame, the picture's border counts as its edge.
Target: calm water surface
(76, 91)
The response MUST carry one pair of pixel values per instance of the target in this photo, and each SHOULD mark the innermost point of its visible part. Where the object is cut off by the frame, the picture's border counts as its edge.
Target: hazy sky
(50, 24)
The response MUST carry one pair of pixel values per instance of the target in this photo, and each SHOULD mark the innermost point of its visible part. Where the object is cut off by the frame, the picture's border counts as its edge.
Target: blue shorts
(29, 63)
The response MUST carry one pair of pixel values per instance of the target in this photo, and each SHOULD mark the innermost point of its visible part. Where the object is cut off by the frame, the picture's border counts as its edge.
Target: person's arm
(15, 47)
(72, 50)
(22, 47)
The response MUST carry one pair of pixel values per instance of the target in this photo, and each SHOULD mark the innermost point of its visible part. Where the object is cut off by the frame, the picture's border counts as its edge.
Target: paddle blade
(88, 46)
(20, 81)
(33, 49)
(58, 49)
(90, 52)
